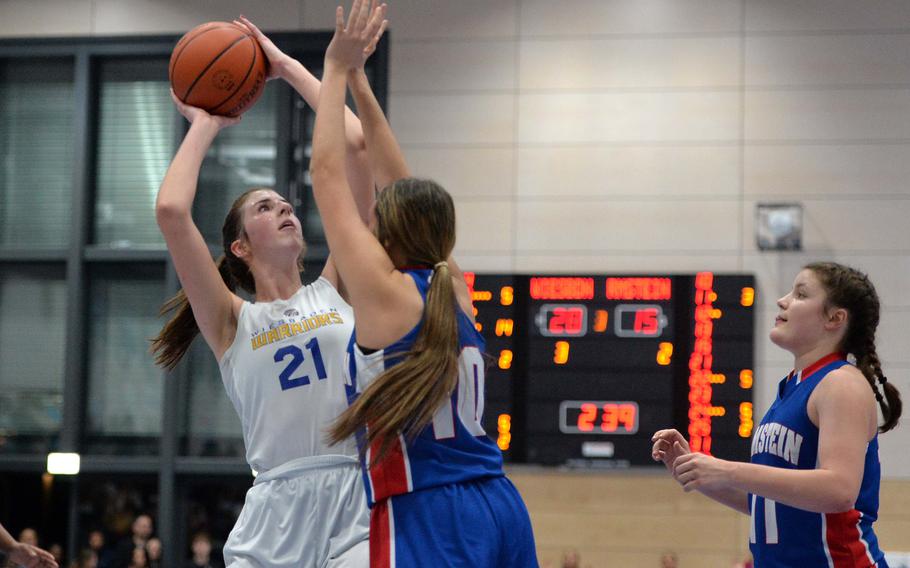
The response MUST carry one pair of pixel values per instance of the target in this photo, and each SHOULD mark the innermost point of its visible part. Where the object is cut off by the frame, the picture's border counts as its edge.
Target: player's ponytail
(175, 338)
(418, 218)
(852, 290)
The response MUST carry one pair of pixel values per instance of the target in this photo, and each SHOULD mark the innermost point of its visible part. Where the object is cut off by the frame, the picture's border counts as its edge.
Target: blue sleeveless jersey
(783, 536)
(454, 448)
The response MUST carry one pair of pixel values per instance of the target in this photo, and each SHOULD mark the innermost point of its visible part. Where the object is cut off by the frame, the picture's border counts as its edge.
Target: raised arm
(214, 306)
(386, 158)
(385, 155)
(376, 288)
(357, 164)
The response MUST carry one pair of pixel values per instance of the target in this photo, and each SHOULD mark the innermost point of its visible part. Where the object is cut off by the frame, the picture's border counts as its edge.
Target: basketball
(218, 67)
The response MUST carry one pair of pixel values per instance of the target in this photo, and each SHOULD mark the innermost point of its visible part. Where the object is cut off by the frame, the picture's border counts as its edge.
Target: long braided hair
(852, 290)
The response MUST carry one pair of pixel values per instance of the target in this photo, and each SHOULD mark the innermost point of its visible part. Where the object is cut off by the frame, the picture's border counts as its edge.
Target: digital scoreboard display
(585, 368)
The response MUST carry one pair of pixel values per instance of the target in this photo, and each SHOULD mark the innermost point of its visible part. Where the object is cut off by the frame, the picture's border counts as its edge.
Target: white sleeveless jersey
(283, 373)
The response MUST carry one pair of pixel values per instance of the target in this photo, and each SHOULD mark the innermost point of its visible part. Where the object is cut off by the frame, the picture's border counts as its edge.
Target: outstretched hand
(279, 61)
(192, 114)
(31, 556)
(353, 43)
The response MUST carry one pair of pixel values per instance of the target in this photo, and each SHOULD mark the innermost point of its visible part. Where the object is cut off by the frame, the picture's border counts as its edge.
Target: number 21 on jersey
(287, 378)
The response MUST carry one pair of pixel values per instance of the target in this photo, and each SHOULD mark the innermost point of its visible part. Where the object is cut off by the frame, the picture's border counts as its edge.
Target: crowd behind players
(141, 549)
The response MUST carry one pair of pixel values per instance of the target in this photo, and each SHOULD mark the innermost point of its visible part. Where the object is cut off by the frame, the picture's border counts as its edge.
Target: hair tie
(440, 264)
(883, 379)
(878, 396)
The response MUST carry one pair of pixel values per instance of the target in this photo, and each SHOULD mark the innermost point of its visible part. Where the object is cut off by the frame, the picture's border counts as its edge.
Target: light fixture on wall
(779, 226)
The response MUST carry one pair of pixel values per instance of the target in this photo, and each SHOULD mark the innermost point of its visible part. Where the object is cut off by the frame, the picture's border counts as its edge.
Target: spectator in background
(153, 548)
(57, 552)
(142, 529)
(96, 543)
(29, 536)
(571, 559)
(139, 558)
(669, 560)
(202, 552)
(88, 558)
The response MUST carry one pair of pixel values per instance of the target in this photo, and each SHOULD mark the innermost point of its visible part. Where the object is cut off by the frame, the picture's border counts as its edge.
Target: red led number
(612, 417)
(616, 415)
(646, 322)
(566, 321)
(587, 416)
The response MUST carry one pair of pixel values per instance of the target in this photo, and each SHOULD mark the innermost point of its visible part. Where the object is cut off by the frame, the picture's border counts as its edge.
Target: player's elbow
(842, 499)
(169, 213)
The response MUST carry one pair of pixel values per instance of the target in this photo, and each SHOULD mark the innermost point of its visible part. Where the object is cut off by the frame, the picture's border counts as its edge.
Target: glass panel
(211, 426)
(242, 157)
(137, 126)
(125, 386)
(32, 344)
(36, 150)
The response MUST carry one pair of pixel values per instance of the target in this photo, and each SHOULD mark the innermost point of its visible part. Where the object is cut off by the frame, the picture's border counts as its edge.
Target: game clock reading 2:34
(584, 368)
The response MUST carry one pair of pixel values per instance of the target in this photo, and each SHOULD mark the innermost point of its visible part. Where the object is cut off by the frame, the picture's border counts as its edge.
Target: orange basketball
(218, 67)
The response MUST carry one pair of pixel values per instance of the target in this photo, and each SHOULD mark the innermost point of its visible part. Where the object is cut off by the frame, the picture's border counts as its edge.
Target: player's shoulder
(845, 381)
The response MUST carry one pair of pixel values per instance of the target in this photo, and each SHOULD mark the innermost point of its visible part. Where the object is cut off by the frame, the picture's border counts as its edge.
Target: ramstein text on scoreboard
(585, 368)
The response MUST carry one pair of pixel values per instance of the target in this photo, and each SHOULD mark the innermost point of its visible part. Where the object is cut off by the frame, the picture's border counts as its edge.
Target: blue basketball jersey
(454, 448)
(784, 536)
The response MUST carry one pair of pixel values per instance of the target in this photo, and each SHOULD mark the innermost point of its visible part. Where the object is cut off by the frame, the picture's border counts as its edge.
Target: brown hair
(852, 290)
(178, 333)
(417, 217)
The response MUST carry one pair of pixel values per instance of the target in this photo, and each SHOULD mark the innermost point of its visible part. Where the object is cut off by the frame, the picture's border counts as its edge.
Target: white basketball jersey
(283, 373)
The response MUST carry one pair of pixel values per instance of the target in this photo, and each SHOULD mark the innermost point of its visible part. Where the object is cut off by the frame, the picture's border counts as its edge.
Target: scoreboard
(585, 368)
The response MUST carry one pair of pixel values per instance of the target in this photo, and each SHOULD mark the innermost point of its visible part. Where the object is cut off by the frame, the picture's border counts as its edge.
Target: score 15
(598, 417)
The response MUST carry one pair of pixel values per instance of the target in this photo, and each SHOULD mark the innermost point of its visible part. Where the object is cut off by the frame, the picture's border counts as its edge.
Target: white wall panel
(630, 63)
(827, 60)
(647, 226)
(596, 17)
(466, 172)
(26, 18)
(628, 117)
(826, 15)
(453, 119)
(829, 115)
(430, 19)
(116, 17)
(600, 171)
(823, 171)
(477, 65)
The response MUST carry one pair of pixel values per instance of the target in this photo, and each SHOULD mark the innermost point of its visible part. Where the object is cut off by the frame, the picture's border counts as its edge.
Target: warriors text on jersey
(783, 536)
(283, 373)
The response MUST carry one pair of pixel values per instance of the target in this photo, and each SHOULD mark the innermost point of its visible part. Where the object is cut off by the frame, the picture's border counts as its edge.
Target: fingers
(251, 26)
(371, 47)
(339, 19)
(362, 15)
